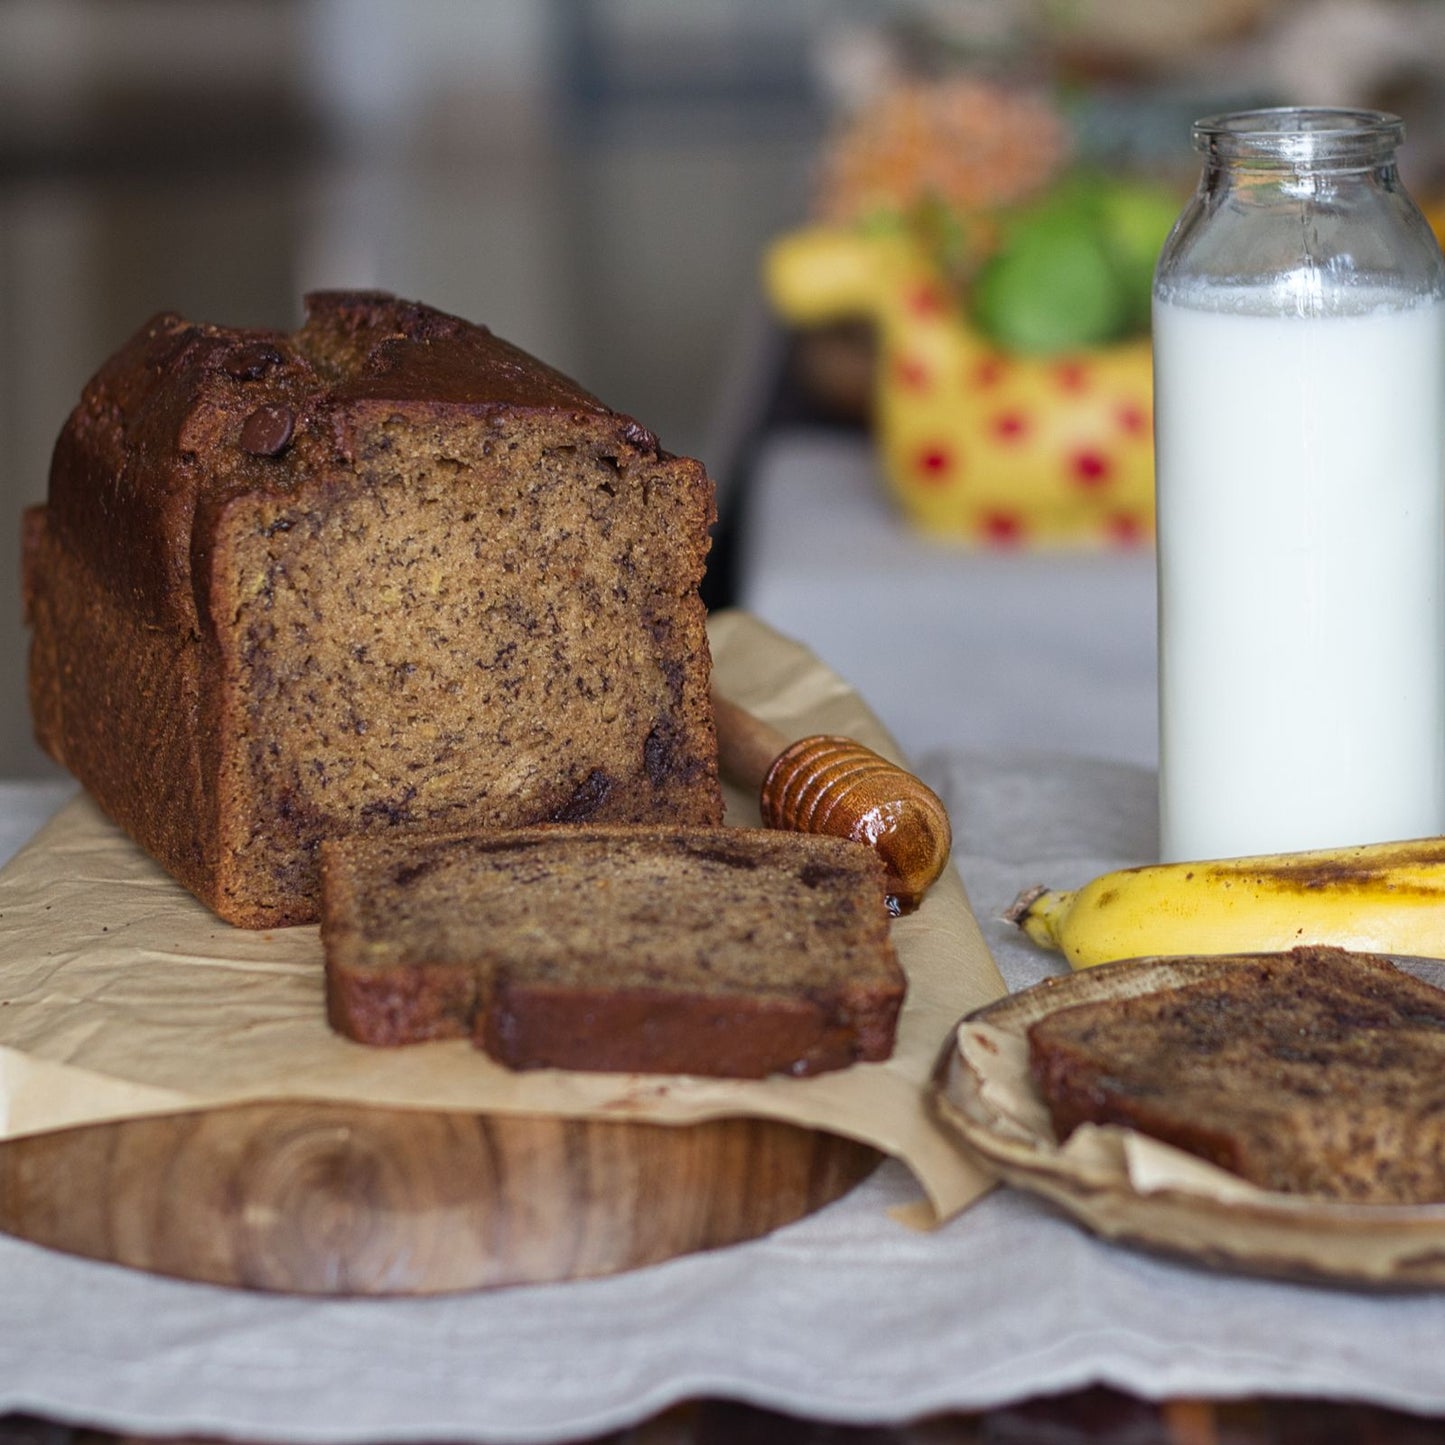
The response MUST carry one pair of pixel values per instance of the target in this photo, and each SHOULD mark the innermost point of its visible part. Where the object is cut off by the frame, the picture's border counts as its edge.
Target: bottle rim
(1300, 137)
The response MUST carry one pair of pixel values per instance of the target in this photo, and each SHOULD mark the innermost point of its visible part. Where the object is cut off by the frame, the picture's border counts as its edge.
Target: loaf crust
(722, 951)
(1317, 1072)
(387, 573)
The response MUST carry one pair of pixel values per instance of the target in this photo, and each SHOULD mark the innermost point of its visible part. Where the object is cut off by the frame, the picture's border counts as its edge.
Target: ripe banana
(1380, 898)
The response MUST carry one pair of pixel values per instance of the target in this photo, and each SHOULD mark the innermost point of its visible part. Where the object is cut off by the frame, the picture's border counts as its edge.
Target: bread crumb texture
(1316, 1072)
(712, 951)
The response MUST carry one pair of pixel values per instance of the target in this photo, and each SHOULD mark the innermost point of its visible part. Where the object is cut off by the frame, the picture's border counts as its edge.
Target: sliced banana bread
(1315, 1072)
(724, 951)
(386, 573)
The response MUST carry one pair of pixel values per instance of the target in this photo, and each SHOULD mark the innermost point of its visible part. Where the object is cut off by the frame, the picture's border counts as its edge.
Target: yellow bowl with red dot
(980, 445)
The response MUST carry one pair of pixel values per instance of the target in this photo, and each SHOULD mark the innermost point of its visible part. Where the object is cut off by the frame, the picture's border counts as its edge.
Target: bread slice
(1316, 1072)
(723, 951)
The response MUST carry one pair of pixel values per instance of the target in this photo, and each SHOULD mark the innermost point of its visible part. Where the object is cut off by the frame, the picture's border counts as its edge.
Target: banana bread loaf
(1315, 1072)
(385, 574)
(723, 951)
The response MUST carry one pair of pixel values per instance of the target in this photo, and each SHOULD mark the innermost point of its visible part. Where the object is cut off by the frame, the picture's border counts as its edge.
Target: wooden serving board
(332, 1199)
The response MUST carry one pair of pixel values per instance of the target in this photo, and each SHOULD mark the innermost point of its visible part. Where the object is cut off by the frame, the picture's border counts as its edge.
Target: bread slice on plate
(1317, 1072)
(722, 951)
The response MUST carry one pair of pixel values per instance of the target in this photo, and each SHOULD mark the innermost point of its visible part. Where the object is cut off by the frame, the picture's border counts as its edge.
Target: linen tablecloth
(950, 646)
(845, 1316)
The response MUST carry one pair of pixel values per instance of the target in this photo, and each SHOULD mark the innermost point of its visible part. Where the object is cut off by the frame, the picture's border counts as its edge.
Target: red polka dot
(1090, 469)
(1010, 426)
(1133, 419)
(1071, 375)
(989, 371)
(935, 464)
(912, 373)
(927, 301)
(1126, 529)
(1002, 529)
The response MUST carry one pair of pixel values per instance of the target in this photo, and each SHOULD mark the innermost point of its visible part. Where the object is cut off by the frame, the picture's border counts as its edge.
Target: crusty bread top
(1318, 1071)
(187, 415)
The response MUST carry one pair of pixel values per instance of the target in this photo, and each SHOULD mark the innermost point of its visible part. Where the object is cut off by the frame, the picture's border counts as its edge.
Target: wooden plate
(335, 1200)
(1251, 1230)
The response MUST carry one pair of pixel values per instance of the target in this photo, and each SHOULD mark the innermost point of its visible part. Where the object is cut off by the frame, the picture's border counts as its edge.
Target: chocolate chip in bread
(721, 951)
(1317, 1072)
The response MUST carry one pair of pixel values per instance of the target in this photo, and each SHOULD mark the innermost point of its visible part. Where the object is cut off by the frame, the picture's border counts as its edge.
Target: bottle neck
(1294, 141)
(1305, 184)
(1300, 212)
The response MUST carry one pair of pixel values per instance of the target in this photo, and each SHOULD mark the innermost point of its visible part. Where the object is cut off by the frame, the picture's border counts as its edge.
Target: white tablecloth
(951, 647)
(844, 1316)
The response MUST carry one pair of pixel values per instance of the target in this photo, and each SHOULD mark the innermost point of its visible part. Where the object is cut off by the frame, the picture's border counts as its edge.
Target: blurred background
(598, 180)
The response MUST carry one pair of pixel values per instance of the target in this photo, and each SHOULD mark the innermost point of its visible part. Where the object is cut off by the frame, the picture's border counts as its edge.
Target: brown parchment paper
(122, 996)
(999, 1060)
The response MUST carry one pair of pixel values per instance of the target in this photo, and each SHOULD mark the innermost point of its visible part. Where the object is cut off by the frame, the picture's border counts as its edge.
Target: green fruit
(1137, 220)
(1077, 268)
(1052, 286)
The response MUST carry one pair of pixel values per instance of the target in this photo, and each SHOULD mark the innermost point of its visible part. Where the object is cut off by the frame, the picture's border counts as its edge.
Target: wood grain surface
(335, 1200)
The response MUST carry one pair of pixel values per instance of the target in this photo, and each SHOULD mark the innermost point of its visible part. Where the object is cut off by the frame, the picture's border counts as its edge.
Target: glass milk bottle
(1299, 374)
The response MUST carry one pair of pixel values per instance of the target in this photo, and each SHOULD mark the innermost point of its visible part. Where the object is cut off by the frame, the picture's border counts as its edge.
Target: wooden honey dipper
(831, 784)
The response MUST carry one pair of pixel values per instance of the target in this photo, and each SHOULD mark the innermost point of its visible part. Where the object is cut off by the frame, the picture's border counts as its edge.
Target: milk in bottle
(1300, 464)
